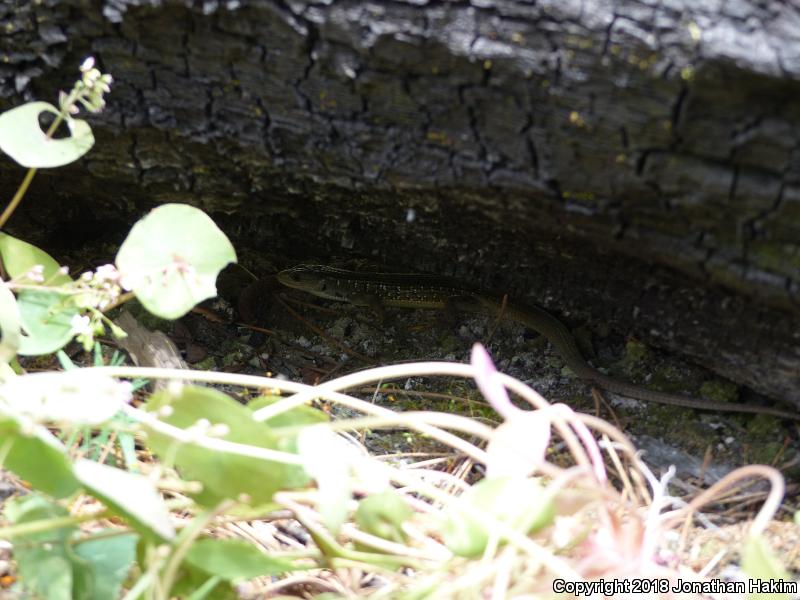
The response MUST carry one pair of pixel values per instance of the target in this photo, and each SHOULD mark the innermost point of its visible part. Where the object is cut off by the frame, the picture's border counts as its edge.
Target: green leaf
(36, 507)
(171, 259)
(43, 557)
(383, 515)
(51, 566)
(74, 397)
(48, 572)
(209, 589)
(110, 559)
(299, 415)
(223, 475)
(464, 534)
(760, 563)
(133, 497)
(22, 138)
(20, 257)
(33, 453)
(191, 580)
(519, 502)
(235, 560)
(296, 417)
(46, 331)
(46, 321)
(10, 325)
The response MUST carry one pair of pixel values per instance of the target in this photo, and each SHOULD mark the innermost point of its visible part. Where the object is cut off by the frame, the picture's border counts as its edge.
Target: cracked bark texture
(635, 162)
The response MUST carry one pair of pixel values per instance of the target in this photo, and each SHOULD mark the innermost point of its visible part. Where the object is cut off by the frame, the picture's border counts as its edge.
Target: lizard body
(422, 291)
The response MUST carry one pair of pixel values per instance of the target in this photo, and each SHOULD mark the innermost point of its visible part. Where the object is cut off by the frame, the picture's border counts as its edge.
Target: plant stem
(17, 197)
(122, 299)
(43, 525)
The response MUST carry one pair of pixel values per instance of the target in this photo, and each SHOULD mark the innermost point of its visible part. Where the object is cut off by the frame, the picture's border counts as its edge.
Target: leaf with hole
(171, 259)
(22, 138)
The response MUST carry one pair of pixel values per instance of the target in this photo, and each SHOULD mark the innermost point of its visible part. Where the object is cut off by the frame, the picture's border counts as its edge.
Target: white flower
(36, 274)
(81, 325)
(87, 64)
(107, 272)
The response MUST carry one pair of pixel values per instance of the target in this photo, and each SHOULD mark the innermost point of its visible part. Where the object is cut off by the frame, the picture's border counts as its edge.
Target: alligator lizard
(408, 290)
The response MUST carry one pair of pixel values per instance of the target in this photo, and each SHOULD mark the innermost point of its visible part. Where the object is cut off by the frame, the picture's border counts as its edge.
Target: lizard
(425, 291)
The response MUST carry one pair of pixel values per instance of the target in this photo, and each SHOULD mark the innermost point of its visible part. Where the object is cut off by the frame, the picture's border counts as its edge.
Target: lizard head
(308, 278)
(319, 280)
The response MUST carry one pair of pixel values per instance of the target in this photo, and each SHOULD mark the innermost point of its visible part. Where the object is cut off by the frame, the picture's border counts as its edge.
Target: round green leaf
(20, 257)
(46, 321)
(22, 138)
(465, 535)
(383, 515)
(171, 259)
(46, 332)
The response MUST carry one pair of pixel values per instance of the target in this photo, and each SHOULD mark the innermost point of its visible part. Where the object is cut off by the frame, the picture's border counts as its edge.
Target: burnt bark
(629, 161)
